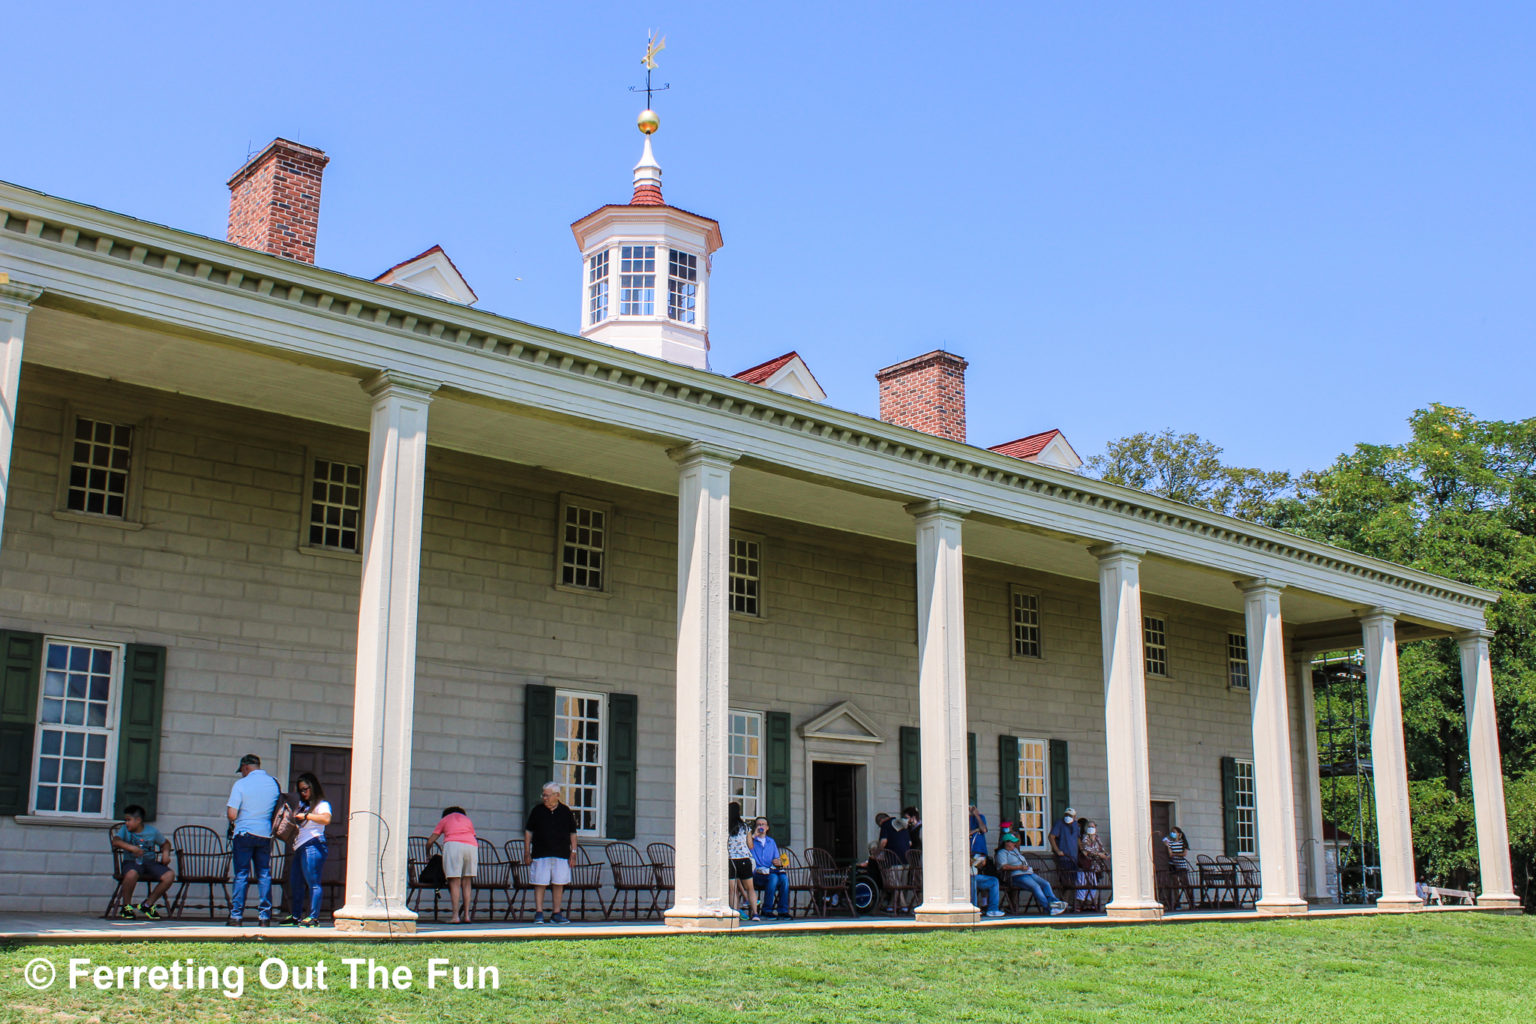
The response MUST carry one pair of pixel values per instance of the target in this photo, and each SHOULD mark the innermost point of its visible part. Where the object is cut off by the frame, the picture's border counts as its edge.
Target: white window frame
(1247, 814)
(1155, 664)
(644, 287)
(1023, 600)
(732, 576)
(308, 522)
(1025, 749)
(569, 501)
(1239, 668)
(110, 730)
(599, 285)
(682, 309)
(600, 811)
(130, 518)
(756, 807)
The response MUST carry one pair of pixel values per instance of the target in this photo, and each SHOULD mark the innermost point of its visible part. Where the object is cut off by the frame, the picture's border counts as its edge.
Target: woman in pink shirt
(461, 859)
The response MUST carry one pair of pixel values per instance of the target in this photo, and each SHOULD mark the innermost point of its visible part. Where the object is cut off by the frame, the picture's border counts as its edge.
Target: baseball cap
(1009, 837)
(1071, 812)
(248, 759)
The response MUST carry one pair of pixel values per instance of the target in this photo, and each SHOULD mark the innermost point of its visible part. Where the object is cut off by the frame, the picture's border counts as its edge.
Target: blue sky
(1281, 226)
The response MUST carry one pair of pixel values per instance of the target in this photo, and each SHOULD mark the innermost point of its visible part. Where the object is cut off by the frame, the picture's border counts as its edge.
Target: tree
(1188, 468)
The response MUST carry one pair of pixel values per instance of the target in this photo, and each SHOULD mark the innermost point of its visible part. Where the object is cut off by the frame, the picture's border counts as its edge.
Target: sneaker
(785, 917)
(126, 912)
(233, 922)
(538, 918)
(756, 918)
(559, 918)
(149, 912)
(308, 922)
(744, 915)
(1057, 908)
(994, 913)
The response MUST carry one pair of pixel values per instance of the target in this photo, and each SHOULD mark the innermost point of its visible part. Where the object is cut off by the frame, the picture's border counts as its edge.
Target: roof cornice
(305, 289)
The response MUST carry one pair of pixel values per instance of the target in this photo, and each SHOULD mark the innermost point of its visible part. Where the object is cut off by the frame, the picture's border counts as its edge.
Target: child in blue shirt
(145, 854)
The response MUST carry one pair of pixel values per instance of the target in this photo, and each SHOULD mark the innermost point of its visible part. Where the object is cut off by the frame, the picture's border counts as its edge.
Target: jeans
(304, 892)
(986, 885)
(1035, 884)
(247, 848)
(775, 889)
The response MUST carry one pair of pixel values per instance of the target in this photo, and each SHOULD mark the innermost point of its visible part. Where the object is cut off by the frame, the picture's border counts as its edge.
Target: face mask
(1068, 818)
(1093, 831)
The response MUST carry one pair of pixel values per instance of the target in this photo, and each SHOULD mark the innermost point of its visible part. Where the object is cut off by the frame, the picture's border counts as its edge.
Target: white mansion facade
(253, 505)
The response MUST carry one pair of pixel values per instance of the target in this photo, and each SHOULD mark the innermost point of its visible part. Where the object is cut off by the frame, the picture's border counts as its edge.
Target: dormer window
(597, 287)
(682, 285)
(637, 280)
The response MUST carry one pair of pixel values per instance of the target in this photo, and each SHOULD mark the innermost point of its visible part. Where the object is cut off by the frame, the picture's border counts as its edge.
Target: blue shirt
(764, 852)
(1066, 839)
(254, 799)
(979, 840)
(147, 839)
(897, 841)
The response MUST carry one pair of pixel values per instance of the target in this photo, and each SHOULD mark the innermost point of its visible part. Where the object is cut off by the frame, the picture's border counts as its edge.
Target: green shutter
(623, 761)
(1061, 791)
(21, 656)
(970, 760)
(138, 729)
(1229, 804)
(1008, 779)
(538, 743)
(776, 773)
(911, 767)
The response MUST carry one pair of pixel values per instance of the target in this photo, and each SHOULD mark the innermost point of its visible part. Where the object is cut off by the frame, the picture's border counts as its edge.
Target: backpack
(284, 828)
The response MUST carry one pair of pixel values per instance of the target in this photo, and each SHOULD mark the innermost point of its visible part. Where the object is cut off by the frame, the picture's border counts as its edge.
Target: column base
(1281, 907)
(947, 916)
(1499, 900)
(697, 921)
(1399, 904)
(1128, 911)
(385, 919)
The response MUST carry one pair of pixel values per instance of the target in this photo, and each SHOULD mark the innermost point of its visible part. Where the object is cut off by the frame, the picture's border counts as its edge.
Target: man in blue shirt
(145, 854)
(252, 802)
(1064, 846)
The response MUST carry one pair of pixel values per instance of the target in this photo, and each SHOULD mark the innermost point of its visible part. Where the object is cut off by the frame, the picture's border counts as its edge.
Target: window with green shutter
(776, 775)
(21, 659)
(911, 743)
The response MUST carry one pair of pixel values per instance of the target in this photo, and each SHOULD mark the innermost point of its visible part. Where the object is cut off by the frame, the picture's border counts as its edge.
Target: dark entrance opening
(333, 767)
(835, 809)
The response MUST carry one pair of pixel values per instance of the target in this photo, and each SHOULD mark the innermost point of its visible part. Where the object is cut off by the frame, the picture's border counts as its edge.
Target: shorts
(550, 871)
(149, 869)
(741, 868)
(460, 860)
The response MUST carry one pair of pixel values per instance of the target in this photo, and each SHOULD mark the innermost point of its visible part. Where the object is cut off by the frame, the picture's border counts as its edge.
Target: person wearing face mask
(914, 827)
(1092, 860)
(1064, 845)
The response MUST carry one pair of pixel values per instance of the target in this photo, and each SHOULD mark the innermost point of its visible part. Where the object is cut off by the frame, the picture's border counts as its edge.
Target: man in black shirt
(549, 842)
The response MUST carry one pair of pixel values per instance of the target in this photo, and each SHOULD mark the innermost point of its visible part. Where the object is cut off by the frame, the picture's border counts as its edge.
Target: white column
(942, 714)
(1316, 876)
(1273, 792)
(1487, 774)
(702, 897)
(15, 303)
(1389, 761)
(1125, 733)
(384, 694)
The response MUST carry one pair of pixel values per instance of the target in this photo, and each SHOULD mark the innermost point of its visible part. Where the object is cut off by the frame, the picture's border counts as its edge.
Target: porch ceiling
(109, 344)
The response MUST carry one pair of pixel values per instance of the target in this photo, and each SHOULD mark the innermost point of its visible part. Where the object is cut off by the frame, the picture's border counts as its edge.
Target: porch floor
(67, 929)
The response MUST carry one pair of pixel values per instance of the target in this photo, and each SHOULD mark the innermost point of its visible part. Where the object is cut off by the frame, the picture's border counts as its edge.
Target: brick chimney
(926, 393)
(274, 200)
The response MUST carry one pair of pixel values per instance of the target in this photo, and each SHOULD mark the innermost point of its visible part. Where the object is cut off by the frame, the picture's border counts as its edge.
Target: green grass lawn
(1445, 967)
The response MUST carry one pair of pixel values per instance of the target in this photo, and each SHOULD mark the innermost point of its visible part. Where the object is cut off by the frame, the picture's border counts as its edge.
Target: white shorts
(550, 871)
(460, 860)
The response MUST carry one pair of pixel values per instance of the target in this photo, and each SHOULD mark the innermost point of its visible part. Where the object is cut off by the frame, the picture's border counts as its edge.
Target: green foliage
(1187, 468)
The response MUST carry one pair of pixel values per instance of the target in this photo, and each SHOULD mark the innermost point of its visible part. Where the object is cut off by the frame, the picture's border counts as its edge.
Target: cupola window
(682, 285)
(637, 280)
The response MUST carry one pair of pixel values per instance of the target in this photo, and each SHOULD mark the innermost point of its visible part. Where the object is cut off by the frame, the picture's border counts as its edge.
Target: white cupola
(645, 270)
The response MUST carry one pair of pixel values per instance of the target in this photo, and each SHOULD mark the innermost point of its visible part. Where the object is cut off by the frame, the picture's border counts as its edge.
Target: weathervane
(648, 121)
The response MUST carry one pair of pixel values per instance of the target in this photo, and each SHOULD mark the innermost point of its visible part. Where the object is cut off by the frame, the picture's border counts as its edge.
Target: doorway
(835, 809)
(333, 767)
(1162, 821)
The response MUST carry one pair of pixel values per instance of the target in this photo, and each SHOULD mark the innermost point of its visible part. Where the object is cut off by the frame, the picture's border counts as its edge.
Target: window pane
(335, 501)
(747, 767)
(99, 467)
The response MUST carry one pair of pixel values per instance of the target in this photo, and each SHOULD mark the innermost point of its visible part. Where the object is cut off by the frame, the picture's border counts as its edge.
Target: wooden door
(333, 767)
(1162, 821)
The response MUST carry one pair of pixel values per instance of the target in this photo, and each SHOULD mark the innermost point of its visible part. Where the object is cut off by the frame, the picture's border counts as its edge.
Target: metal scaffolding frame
(1346, 778)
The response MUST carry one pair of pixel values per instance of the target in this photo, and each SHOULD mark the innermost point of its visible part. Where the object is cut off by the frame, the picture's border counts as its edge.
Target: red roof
(762, 371)
(1026, 447)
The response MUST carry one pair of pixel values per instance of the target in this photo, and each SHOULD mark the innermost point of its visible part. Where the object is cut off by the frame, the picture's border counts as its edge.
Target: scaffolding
(1346, 779)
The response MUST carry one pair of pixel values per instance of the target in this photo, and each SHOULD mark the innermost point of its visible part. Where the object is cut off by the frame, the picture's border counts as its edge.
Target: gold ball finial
(648, 122)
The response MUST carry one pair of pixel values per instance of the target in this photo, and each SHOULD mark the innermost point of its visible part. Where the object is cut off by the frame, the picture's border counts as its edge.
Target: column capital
(16, 294)
(936, 508)
(1468, 638)
(387, 381)
(1379, 615)
(702, 452)
(1113, 551)
(1259, 585)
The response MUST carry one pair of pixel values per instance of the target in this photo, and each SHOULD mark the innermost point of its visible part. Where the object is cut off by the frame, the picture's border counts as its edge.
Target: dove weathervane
(648, 122)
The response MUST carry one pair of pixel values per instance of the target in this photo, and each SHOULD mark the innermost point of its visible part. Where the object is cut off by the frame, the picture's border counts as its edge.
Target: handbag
(284, 828)
(432, 875)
